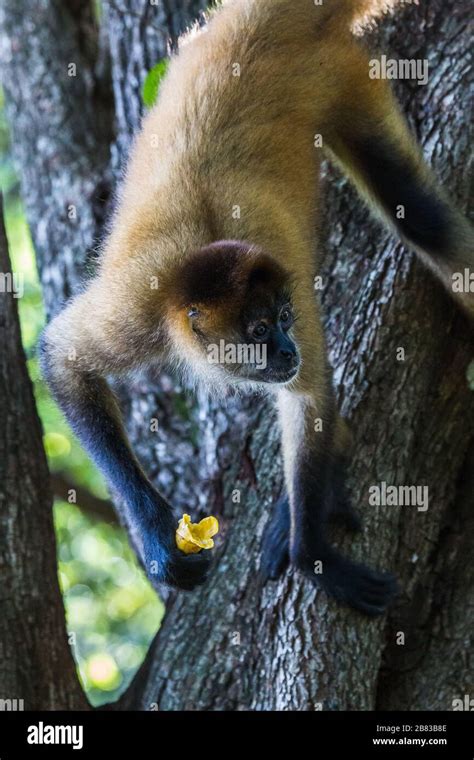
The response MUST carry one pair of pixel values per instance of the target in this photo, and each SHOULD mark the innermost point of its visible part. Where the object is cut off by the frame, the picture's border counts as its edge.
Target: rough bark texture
(61, 128)
(140, 35)
(36, 664)
(234, 645)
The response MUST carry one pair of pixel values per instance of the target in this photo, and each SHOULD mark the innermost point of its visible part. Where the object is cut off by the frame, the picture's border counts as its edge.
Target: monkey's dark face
(255, 344)
(235, 315)
(267, 324)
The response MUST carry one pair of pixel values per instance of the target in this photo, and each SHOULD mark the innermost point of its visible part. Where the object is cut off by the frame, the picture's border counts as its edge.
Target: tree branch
(95, 508)
(36, 664)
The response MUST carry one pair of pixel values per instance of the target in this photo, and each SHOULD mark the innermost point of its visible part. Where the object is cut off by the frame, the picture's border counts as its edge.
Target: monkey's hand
(163, 561)
(186, 572)
(348, 582)
(166, 564)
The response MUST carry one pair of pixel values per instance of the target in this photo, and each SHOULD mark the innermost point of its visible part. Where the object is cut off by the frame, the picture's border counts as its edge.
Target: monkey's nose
(289, 355)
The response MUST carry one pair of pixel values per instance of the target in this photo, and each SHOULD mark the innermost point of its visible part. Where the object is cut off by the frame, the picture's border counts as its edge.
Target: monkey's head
(233, 315)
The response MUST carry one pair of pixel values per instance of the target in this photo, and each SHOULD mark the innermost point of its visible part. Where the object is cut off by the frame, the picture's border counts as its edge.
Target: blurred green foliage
(112, 613)
(111, 610)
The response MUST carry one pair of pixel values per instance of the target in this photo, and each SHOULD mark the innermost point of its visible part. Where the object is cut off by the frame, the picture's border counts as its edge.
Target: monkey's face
(233, 316)
(253, 344)
(267, 321)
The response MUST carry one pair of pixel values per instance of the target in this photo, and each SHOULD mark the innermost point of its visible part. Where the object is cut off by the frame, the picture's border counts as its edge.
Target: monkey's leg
(76, 354)
(309, 468)
(340, 508)
(276, 540)
(308, 420)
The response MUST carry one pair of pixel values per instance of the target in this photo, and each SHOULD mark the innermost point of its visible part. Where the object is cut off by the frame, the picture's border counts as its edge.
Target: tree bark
(36, 665)
(234, 645)
(140, 34)
(59, 108)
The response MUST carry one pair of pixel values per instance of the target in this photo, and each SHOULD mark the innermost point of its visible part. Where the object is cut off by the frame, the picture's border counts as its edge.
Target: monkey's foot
(276, 541)
(350, 583)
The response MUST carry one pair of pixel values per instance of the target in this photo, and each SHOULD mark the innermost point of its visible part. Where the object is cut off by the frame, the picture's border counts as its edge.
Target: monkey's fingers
(188, 572)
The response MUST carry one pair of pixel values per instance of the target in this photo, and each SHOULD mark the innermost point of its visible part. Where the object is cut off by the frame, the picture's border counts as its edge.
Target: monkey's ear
(265, 272)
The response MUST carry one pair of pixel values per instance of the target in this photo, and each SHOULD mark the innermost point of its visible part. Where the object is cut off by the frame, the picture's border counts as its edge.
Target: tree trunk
(234, 645)
(36, 665)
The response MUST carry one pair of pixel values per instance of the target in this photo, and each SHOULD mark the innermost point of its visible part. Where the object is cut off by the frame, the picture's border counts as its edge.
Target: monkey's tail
(368, 136)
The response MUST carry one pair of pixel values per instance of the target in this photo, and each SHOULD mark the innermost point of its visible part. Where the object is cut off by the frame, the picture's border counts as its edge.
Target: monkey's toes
(353, 584)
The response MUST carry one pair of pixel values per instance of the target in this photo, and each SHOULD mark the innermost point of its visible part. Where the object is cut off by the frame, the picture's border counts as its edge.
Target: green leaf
(151, 85)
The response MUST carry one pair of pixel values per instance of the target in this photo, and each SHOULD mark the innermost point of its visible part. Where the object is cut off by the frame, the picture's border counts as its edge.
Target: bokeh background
(112, 613)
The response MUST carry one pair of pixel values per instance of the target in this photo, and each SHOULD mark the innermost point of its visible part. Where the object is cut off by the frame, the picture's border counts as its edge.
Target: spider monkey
(218, 208)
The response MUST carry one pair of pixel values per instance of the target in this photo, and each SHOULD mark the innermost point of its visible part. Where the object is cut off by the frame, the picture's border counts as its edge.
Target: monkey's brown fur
(228, 154)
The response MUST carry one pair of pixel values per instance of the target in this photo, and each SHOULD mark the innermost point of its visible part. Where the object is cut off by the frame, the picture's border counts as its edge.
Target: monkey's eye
(193, 312)
(286, 315)
(260, 331)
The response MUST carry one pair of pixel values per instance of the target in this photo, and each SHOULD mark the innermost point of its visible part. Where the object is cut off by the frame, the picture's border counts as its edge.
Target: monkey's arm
(79, 348)
(312, 473)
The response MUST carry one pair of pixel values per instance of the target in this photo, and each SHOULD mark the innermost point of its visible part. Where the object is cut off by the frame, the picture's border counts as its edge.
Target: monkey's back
(229, 149)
